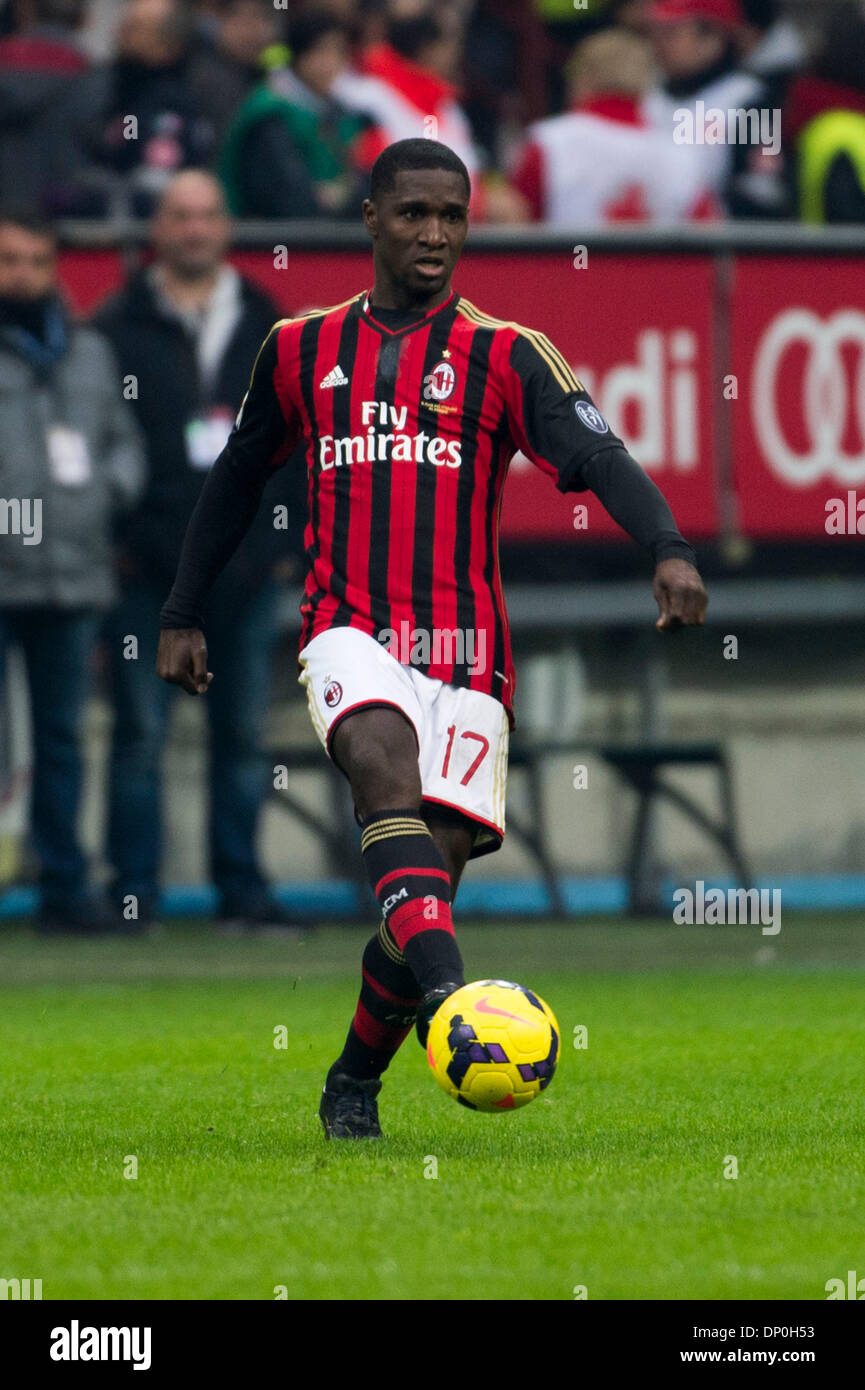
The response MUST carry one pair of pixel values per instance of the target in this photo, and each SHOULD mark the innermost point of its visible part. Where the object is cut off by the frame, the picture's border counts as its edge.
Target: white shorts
(462, 735)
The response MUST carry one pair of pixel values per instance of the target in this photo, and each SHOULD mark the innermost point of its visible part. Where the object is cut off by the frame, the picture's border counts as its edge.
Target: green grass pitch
(704, 1044)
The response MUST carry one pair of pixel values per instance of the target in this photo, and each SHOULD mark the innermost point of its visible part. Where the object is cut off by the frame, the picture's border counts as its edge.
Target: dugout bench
(627, 606)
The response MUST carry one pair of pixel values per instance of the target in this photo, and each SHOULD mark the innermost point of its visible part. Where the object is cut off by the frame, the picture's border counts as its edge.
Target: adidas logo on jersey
(335, 378)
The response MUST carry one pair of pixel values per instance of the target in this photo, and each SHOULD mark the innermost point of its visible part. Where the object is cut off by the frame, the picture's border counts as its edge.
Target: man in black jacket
(70, 461)
(185, 330)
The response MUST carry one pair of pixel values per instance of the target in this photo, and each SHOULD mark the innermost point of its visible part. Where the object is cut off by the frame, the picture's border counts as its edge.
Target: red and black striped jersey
(408, 435)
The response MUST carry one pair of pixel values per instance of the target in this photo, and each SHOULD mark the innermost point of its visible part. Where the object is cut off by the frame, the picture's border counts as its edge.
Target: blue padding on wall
(489, 898)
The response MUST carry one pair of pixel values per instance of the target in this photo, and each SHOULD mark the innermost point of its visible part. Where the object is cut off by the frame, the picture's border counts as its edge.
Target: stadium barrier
(730, 358)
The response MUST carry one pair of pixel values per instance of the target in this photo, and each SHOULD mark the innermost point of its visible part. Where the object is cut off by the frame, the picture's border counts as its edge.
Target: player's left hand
(680, 594)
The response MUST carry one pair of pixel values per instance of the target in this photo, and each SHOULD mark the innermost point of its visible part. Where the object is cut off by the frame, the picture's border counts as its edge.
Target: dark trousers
(240, 651)
(57, 648)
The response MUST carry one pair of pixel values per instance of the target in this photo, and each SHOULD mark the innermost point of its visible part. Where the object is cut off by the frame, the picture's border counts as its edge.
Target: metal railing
(791, 238)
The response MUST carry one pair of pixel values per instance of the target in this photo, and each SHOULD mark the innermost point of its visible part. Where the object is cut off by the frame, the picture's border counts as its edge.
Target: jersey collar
(367, 313)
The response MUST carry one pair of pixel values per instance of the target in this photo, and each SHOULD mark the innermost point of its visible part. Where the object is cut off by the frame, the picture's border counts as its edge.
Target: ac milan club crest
(332, 694)
(441, 382)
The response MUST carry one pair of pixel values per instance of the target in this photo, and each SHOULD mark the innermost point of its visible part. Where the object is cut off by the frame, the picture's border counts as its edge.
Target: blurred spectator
(601, 161)
(701, 74)
(824, 122)
(575, 21)
(566, 25)
(631, 14)
(47, 105)
(70, 457)
(504, 64)
(150, 126)
(222, 71)
(407, 86)
(293, 150)
(187, 328)
(771, 47)
(772, 50)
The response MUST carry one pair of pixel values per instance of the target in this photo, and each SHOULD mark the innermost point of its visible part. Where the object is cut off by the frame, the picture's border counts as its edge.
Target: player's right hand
(182, 659)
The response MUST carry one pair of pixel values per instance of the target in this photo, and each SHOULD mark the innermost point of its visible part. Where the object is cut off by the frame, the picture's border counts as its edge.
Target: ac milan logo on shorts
(441, 382)
(332, 694)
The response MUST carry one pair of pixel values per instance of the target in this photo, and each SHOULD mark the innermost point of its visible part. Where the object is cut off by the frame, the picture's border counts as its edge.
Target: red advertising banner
(798, 339)
(639, 331)
(88, 276)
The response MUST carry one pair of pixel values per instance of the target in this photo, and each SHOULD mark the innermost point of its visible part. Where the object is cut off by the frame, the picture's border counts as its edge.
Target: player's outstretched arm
(556, 423)
(641, 509)
(260, 442)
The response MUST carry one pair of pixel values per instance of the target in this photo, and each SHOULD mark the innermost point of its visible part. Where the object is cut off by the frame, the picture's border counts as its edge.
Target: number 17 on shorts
(462, 734)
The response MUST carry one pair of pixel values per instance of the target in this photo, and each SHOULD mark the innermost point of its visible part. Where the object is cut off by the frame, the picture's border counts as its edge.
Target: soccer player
(411, 402)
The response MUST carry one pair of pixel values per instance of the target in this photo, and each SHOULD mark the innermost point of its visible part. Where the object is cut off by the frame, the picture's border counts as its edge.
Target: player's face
(419, 230)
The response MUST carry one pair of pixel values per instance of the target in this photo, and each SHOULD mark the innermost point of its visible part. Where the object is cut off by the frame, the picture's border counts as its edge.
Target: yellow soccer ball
(493, 1045)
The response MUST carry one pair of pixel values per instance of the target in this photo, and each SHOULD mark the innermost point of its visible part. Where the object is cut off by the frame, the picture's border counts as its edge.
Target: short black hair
(414, 154)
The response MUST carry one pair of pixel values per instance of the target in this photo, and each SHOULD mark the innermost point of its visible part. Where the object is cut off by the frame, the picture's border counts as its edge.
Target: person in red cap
(700, 69)
(600, 161)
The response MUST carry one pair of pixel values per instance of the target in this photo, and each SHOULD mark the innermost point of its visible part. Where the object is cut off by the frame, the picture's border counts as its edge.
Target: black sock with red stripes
(385, 1013)
(409, 878)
